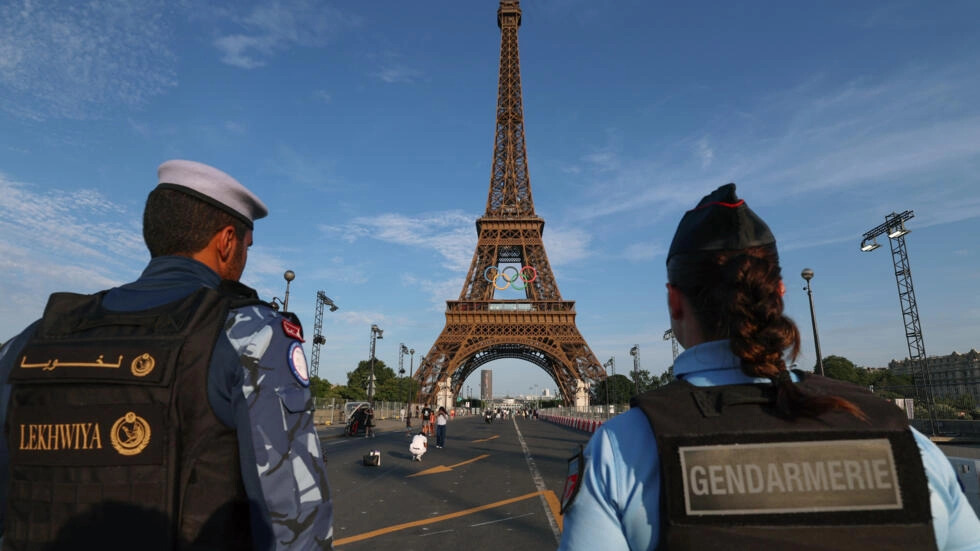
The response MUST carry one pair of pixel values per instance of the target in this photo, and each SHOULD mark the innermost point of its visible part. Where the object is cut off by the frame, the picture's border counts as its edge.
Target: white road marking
(538, 482)
(500, 520)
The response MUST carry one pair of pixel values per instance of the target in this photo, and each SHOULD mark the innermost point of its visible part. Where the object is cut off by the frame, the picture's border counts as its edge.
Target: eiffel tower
(538, 326)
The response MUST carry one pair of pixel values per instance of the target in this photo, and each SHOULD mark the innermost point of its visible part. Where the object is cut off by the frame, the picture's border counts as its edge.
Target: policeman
(740, 452)
(171, 412)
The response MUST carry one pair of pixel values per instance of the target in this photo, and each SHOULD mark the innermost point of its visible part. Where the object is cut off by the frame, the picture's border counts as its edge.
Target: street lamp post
(411, 370)
(289, 276)
(807, 274)
(375, 334)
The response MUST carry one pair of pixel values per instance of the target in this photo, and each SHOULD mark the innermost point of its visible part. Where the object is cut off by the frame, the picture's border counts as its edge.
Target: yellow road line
(549, 495)
(444, 469)
(555, 507)
(487, 439)
(477, 458)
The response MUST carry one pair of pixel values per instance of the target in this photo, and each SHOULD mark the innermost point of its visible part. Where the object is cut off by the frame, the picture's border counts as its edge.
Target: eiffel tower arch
(539, 325)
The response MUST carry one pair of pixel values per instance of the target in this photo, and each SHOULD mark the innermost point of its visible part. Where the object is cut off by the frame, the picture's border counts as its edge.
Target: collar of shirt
(713, 363)
(165, 279)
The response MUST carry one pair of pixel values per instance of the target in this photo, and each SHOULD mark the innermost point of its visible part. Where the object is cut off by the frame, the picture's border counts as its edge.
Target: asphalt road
(494, 486)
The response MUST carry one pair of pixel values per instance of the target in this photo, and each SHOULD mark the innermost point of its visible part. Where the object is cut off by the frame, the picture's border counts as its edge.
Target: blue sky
(367, 128)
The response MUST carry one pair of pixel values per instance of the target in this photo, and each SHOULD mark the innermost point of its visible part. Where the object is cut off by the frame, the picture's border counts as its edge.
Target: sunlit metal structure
(669, 336)
(635, 352)
(376, 333)
(894, 228)
(318, 339)
(538, 325)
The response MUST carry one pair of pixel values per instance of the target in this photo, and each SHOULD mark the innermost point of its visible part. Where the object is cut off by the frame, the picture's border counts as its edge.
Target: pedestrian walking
(173, 396)
(442, 417)
(426, 420)
(369, 422)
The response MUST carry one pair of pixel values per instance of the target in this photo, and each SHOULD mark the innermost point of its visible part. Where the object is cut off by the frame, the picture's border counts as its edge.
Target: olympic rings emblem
(527, 274)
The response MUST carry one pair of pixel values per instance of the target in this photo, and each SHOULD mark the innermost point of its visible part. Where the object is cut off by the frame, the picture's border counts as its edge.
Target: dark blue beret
(720, 222)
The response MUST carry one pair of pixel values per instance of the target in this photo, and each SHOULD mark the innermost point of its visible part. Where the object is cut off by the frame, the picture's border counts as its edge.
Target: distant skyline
(367, 128)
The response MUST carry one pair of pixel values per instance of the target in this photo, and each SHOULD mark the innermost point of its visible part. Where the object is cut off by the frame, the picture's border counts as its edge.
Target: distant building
(952, 375)
(546, 393)
(486, 385)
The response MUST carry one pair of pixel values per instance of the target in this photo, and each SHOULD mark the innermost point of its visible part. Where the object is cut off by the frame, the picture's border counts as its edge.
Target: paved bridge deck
(494, 486)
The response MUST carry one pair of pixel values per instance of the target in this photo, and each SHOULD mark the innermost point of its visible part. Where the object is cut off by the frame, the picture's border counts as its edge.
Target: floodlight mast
(669, 336)
(318, 339)
(894, 228)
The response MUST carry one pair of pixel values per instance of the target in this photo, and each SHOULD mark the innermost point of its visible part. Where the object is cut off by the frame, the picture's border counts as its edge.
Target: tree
(347, 393)
(358, 379)
(398, 389)
(319, 388)
(646, 380)
(964, 402)
(842, 369)
(620, 390)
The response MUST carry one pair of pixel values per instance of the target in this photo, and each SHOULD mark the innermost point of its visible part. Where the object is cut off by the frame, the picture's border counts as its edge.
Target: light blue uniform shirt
(618, 505)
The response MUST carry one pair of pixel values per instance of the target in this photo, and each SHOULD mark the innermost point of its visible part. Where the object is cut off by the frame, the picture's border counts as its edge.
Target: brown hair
(175, 223)
(737, 295)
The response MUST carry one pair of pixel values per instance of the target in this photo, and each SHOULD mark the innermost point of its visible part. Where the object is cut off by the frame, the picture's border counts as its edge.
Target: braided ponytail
(737, 295)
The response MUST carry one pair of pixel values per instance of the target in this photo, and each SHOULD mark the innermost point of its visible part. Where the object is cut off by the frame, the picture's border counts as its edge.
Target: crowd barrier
(577, 423)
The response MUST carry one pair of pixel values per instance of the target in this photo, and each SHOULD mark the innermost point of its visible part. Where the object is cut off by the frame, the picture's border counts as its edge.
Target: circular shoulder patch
(297, 363)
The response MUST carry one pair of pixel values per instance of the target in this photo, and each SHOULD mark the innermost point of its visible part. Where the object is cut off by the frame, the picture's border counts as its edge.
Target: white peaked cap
(213, 187)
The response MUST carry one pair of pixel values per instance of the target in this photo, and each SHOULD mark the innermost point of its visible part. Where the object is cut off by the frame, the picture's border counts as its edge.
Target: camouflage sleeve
(281, 457)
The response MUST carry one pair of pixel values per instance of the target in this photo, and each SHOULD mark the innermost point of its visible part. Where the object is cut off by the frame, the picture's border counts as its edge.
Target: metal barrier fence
(332, 411)
(592, 413)
(949, 427)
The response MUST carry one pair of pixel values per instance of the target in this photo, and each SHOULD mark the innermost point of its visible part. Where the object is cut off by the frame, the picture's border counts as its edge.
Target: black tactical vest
(112, 440)
(736, 475)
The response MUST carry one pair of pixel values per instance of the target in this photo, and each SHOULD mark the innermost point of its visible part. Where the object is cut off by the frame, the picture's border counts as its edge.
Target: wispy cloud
(338, 269)
(298, 168)
(448, 233)
(398, 74)
(351, 318)
(566, 245)
(889, 133)
(322, 95)
(60, 240)
(705, 152)
(268, 29)
(437, 291)
(81, 60)
(81, 224)
(642, 252)
(451, 235)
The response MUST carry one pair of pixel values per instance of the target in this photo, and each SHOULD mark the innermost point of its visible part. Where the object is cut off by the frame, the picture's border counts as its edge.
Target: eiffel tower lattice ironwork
(538, 326)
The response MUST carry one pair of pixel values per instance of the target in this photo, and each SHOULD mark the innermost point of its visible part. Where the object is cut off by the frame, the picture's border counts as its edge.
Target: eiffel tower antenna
(532, 322)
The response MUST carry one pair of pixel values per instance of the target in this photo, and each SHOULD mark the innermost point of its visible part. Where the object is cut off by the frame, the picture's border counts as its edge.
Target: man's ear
(225, 241)
(675, 302)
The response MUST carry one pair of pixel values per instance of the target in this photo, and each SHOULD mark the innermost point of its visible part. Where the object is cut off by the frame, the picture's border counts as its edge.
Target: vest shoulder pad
(240, 294)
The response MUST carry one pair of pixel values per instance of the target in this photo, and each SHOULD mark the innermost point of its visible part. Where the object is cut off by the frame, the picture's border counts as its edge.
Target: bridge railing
(331, 411)
(949, 427)
(586, 418)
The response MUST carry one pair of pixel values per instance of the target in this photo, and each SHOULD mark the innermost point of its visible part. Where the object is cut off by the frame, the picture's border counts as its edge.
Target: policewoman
(172, 412)
(741, 453)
